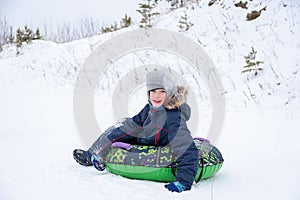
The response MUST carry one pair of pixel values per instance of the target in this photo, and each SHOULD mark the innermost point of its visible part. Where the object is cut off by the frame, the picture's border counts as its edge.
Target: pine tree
(37, 34)
(114, 27)
(105, 29)
(111, 28)
(126, 21)
(27, 36)
(146, 10)
(184, 25)
(177, 3)
(251, 63)
(19, 37)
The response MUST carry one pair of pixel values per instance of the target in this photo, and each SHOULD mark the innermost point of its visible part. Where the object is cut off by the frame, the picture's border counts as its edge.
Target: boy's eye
(161, 91)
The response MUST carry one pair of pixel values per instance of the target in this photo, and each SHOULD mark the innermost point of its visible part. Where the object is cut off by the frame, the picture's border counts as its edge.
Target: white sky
(36, 12)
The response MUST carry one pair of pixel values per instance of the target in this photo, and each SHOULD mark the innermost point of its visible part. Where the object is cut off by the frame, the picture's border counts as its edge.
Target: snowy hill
(258, 139)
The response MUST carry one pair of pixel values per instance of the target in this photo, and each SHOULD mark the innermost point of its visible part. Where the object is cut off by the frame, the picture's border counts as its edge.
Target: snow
(259, 137)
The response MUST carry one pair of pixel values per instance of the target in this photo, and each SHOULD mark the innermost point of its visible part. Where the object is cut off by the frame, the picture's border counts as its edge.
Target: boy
(161, 122)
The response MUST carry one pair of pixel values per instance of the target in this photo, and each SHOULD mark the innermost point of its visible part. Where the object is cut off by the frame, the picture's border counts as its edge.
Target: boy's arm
(140, 117)
(124, 133)
(133, 126)
(184, 148)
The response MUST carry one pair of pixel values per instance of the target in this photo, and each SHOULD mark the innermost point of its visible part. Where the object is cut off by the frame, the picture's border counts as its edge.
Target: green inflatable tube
(153, 163)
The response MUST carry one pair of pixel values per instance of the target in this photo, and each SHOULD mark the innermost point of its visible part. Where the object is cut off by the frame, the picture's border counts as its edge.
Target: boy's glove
(175, 187)
(98, 163)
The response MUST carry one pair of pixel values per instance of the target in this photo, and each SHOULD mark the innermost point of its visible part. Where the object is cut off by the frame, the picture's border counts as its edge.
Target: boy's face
(158, 97)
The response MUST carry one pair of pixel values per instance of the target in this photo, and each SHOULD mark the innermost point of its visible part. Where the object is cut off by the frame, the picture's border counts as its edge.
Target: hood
(185, 111)
(178, 101)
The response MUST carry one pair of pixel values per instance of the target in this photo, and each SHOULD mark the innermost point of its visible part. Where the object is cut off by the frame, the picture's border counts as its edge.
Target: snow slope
(259, 137)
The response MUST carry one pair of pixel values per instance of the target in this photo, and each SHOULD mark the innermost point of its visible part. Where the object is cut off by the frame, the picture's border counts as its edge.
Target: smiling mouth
(157, 101)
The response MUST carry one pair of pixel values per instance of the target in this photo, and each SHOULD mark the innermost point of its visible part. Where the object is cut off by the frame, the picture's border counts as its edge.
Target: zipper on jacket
(156, 138)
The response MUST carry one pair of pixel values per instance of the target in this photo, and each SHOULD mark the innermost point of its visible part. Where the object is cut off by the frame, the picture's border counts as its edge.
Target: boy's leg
(102, 145)
(97, 149)
(100, 148)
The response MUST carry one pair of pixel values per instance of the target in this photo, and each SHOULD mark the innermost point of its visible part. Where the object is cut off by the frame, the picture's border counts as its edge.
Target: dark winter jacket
(166, 126)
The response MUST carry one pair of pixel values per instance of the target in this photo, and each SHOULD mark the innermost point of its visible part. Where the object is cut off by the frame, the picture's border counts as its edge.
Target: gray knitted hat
(160, 78)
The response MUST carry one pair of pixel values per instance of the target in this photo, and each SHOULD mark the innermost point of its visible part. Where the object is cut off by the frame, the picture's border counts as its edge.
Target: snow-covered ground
(259, 137)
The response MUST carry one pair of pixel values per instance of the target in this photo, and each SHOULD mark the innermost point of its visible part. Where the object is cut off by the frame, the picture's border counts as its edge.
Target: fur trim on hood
(177, 99)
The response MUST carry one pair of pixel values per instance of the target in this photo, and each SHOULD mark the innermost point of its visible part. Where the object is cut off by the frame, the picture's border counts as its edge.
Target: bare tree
(59, 32)
(45, 30)
(5, 32)
(88, 27)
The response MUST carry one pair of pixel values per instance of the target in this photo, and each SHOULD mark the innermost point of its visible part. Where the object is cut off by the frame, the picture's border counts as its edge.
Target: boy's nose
(156, 94)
